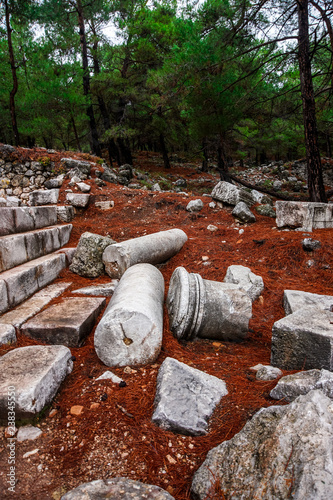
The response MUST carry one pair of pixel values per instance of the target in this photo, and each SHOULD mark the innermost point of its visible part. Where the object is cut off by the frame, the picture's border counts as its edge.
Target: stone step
(22, 219)
(33, 375)
(67, 323)
(16, 249)
(17, 284)
(33, 305)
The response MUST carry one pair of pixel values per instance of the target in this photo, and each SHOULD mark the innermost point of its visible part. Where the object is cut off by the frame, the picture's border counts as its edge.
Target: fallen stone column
(130, 331)
(152, 248)
(207, 309)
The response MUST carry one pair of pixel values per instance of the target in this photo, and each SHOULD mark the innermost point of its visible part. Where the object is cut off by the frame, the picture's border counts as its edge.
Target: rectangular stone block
(67, 323)
(3, 297)
(65, 233)
(65, 213)
(304, 215)
(23, 281)
(44, 216)
(44, 197)
(7, 225)
(297, 299)
(12, 251)
(303, 340)
(24, 220)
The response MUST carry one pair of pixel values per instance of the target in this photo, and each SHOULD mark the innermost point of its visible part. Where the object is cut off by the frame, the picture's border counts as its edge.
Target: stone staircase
(29, 257)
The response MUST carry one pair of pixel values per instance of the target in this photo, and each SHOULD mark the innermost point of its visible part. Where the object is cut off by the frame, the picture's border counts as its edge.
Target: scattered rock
(268, 373)
(266, 210)
(282, 452)
(212, 228)
(87, 260)
(185, 398)
(30, 453)
(81, 166)
(195, 206)
(85, 188)
(104, 205)
(251, 283)
(28, 432)
(309, 245)
(76, 410)
(292, 386)
(103, 290)
(78, 200)
(243, 213)
(226, 192)
(118, 488)
(110, 376)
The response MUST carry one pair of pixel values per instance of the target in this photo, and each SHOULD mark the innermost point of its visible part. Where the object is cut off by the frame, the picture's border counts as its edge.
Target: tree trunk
(14, 90)
(315, 177)
(204, 166)
(164, 152)
(94, 143)
(222, 164)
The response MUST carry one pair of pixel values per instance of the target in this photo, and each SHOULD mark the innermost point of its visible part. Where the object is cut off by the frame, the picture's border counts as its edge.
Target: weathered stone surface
(7, 334)
(152, 248)
(266, 210)
(4, 305)
(65, 213)
(78, 200)
(87, 260)
(296, 299)
(110, 376)
(22, 219)
(206, 309)
(13, 201)
(104, 205)
(84, 187)
(28, 433)
(82, 166)
(305, 215)
(251, 283)
(292, 386)
(226, 192)
(268, 373)
(19, 248)
(109, 176)
(261, 197)
(103, 290)
(34, 305)
(36, 372)
(283, 452)
(185, 398)
(243, 213)
(55, 182)
(309, 245)
(118, 488)
(130, 331)
(303, 340)
(26, 279)
(44, 197)
(69, 254)
(195, 206)
(67, 323)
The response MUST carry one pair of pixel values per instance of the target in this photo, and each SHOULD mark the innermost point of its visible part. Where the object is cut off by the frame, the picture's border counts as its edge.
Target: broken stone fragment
(303, 340)
(251, 283)
(117, 488)
(36, 373)
(297, 299)
(283, 452)
(243, 213)
(78, 200)
(7, 334)
(130, 331)
(68, 323)
(185, 398)
(267, 372)
(292, 386)
(206, 309)
(104, 290)
(87, 260)
(28, 432)
(195, 206)
(153, 249)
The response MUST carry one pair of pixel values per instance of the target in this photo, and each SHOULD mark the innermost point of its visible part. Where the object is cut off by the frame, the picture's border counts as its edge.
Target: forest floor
(114, 435)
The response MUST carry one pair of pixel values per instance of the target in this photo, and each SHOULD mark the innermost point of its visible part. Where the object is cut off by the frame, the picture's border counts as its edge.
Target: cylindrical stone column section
(130, 331)
(152, 248)
(206, 309)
